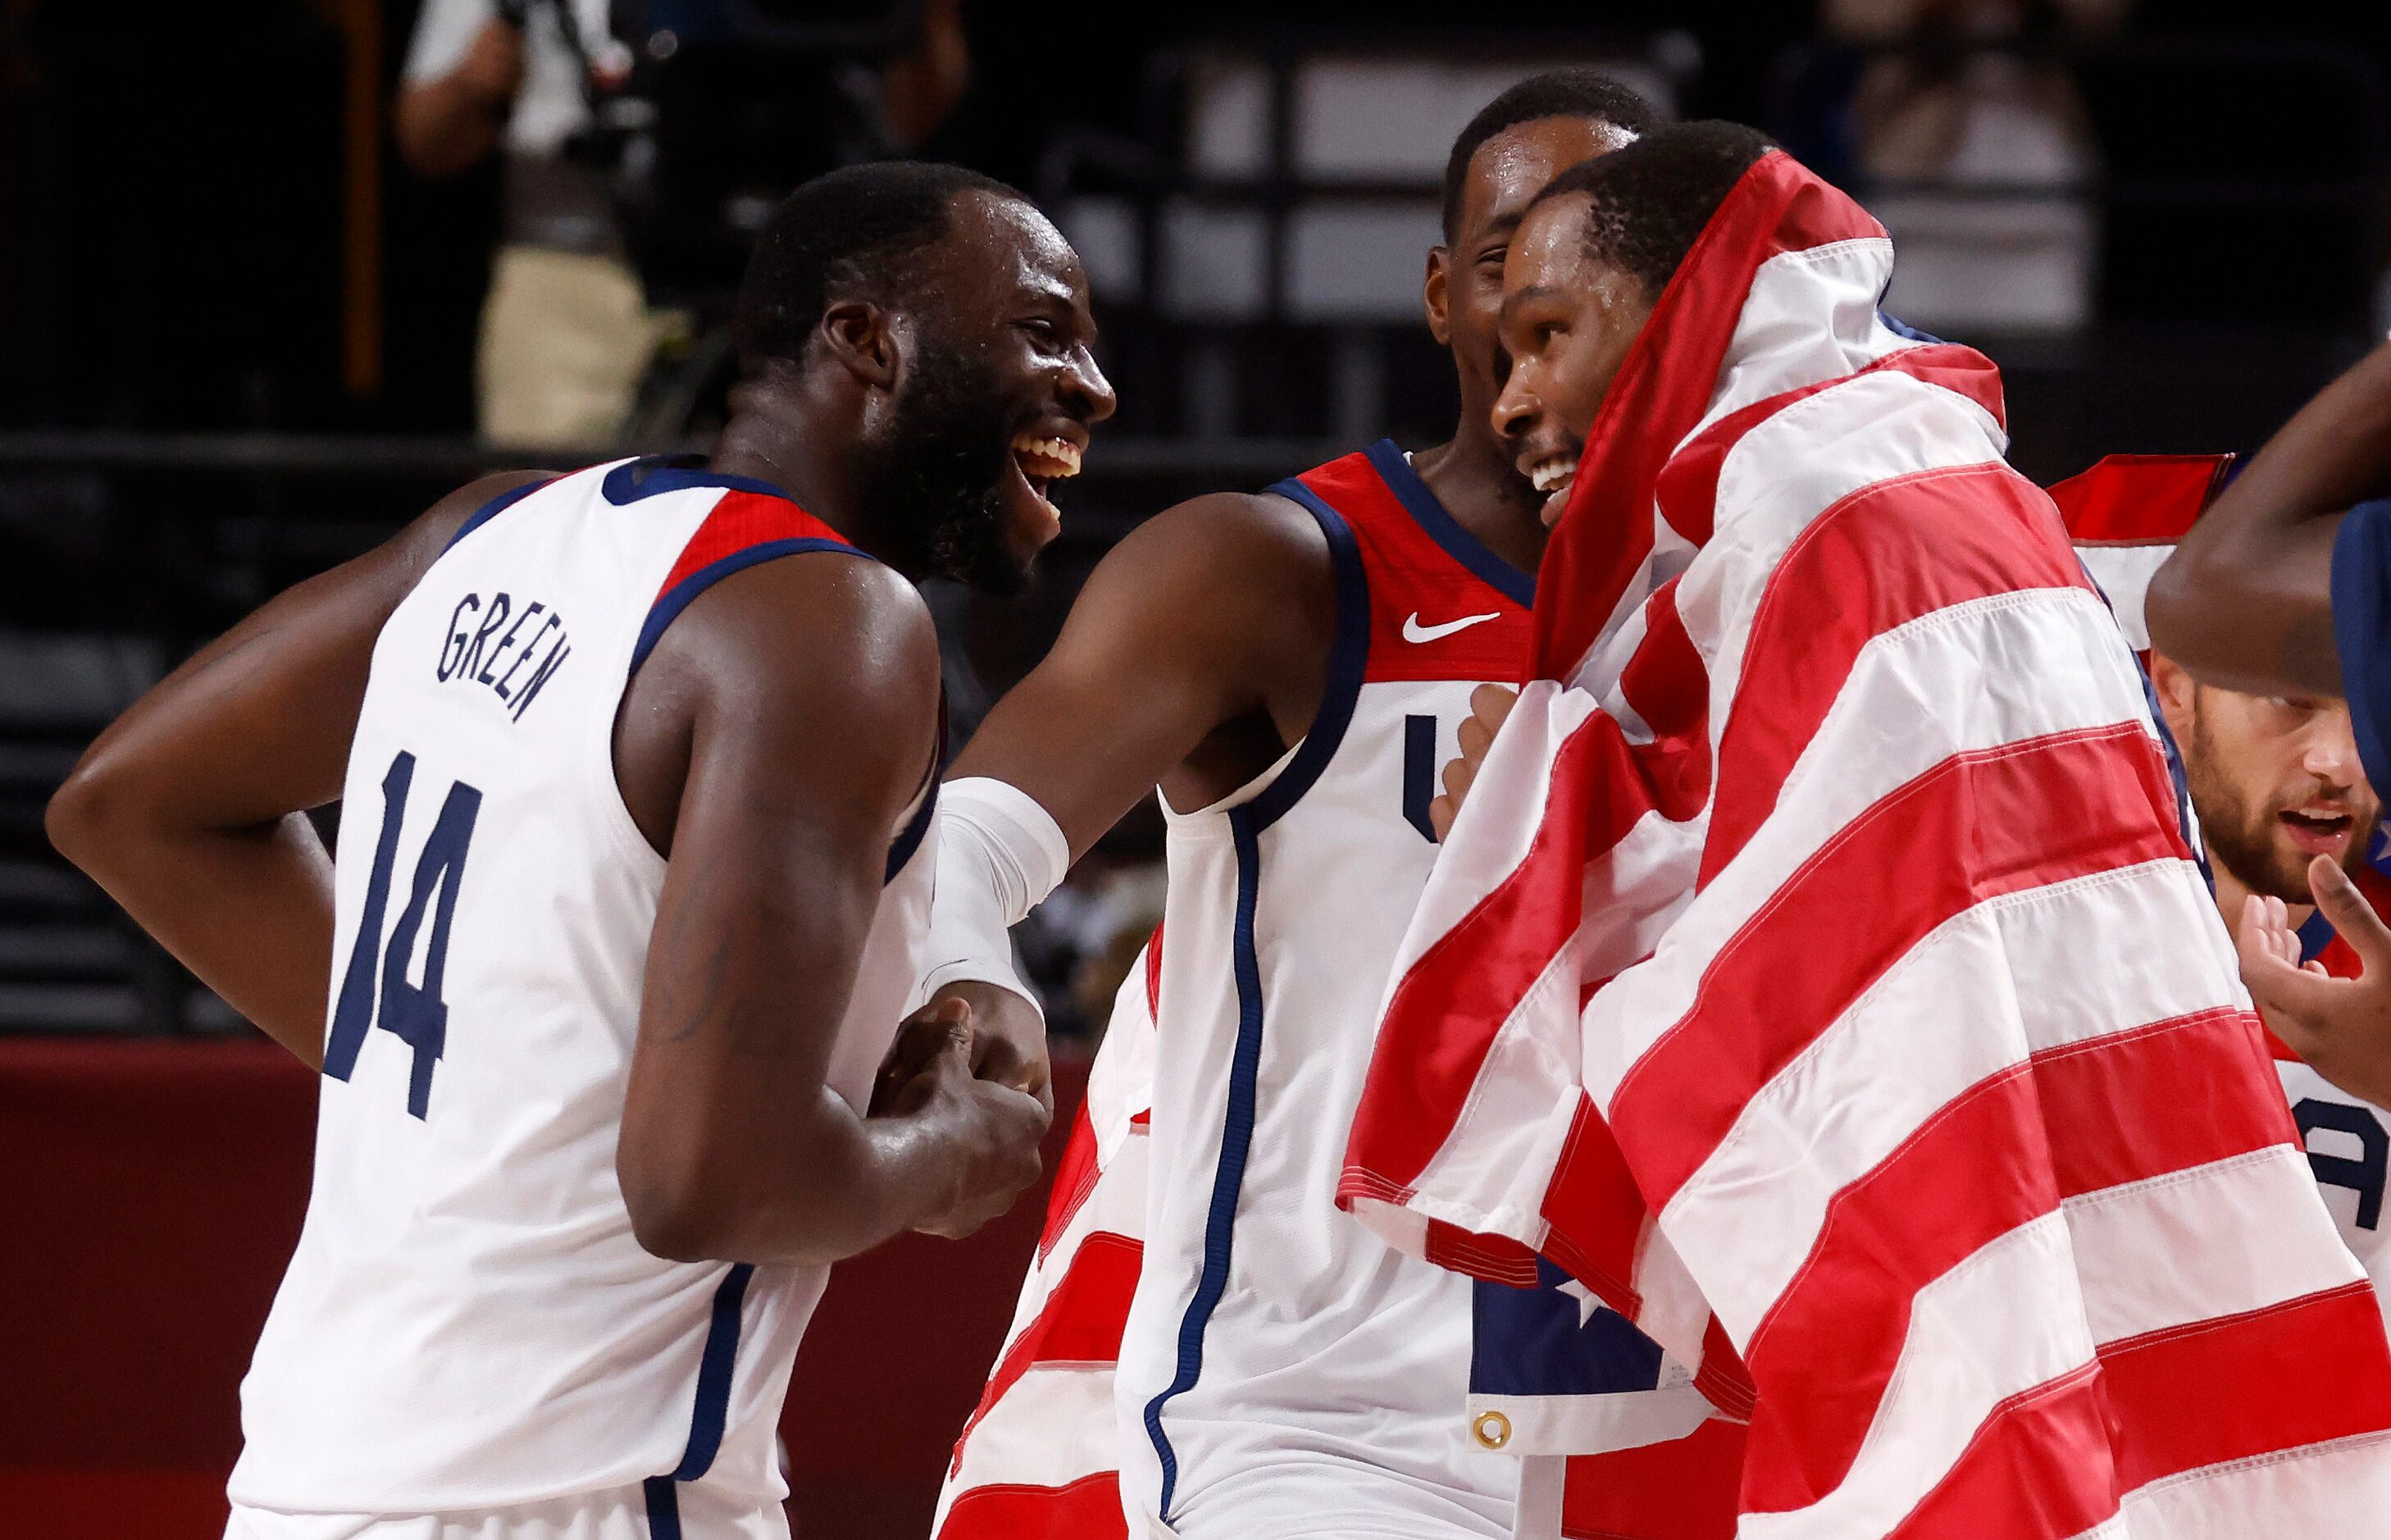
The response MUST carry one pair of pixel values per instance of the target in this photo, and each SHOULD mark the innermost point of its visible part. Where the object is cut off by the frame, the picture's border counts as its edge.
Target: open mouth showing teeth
(2315, 831)
(1046, 460)
(1554, 475)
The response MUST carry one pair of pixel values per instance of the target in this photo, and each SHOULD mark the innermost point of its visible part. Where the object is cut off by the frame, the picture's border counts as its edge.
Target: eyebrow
(1536, 291)
(1504, 225)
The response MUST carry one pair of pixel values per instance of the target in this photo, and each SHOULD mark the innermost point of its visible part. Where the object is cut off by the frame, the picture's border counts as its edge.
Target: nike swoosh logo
(1415, 632)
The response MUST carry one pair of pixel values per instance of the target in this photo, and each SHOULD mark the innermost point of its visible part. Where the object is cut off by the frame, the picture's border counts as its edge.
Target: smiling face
(2276, 782)
(1567, 323)
(998, 394)
(1464, 294)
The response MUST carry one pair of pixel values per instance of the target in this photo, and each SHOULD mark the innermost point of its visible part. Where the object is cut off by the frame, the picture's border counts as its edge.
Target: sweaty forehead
(1509, 169)
(1002, 245)
(1548, 250)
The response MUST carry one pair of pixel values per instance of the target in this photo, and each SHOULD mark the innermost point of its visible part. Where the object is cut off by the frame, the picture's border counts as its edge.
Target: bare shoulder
(420, 543)
(825, 628)
(1254, 533)
(1253, 564)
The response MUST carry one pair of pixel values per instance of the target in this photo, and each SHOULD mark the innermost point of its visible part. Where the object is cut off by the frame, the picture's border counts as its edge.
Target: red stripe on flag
(1688, 488)
(1089, 1508)
(2139, 500)
(2078, 1118)
(1666, 684)
(1079, 1322)
(1154, 975)
(2163, 1098)
(1595, 1212)
(2302, 1372)
(1880, 558)
(1678, 1489)
(1496, 1258)
(1443, 1017)
(740, 519)
(2038, 1469)
(1075, 1177)
(1975, 826)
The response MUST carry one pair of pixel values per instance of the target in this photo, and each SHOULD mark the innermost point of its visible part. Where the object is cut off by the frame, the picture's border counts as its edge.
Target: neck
(1472, 476)
(780, 437)
(2232, 893)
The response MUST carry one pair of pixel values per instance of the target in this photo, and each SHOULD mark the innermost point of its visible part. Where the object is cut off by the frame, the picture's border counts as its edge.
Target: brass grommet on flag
(1492, 1429)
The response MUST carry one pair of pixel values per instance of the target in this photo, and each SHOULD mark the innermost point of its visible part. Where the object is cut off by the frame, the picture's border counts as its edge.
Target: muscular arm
(796, 702)
(1212, 612)
(189, 810)
(2245, 602)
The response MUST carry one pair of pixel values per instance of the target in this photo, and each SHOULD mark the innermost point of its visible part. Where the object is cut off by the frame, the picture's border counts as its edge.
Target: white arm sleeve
(1000, 854)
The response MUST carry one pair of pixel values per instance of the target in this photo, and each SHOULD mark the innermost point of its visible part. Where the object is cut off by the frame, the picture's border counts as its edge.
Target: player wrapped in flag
(1769, 983)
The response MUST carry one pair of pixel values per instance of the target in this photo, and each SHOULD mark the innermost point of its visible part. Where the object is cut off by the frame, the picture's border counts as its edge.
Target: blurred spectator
(1959, 96)
(566, 330)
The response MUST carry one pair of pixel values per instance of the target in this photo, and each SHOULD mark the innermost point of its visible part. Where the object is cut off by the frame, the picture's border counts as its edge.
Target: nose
(1516, 410)
(2332, 752)
(1086, 383)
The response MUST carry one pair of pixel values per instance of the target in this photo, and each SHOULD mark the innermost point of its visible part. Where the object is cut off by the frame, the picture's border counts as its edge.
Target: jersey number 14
(415, 1013)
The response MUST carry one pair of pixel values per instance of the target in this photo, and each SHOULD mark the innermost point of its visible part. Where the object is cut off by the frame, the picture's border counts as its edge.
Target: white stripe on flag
(1917, 696)
(2004, 1321)
(2315, 1490)
(1749, 1217)
(2269, 1192)
(1053, 1426)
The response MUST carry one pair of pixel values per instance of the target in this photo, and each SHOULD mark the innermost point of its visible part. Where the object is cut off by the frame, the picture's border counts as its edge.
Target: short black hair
(1652, 198)
(1573, 93)
(848, 233)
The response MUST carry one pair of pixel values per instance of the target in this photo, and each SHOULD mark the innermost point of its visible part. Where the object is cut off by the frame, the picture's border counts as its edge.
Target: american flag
(1820, 975)
(1039, 1460)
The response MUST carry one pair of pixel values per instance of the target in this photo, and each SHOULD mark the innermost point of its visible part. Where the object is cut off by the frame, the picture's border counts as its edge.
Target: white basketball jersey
(1278, 1357)
(468, 1322)
(2348, 1140)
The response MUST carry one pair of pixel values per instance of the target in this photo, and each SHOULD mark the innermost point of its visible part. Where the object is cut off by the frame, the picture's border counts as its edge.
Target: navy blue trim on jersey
(1349, 656)
(1387, 458)
(909, 840)
(632, 480)
(1900, 328)
(1540, 1341)
(2315, 934)
(677, 598)
(495, 507)
(2362, 610)
(1236, 1143)
(710, 1414)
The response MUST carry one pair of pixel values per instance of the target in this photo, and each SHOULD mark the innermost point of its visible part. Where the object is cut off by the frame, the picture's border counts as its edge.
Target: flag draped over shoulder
(1039, 1458)
(1769, 982)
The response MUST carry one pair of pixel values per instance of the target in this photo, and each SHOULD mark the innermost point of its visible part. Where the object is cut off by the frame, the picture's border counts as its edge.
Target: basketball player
(1288, 668)
(638, 767)
(2276, 784)
(2283, 589)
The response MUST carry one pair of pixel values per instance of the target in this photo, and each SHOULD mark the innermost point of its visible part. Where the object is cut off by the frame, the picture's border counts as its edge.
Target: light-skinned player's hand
(1490, 706)
(2342, 1027)
(996, 1129)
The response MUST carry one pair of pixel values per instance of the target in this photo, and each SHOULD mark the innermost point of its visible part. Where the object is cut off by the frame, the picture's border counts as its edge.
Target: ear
(2176, 692)
(863, 338)
(1434, 298)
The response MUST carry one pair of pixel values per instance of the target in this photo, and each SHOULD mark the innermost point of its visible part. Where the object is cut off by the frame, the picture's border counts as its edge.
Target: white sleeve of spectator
(445, 30)
(1000, 854)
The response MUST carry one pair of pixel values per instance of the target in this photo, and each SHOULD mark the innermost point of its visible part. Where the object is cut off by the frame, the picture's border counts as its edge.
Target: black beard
(933, 480)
